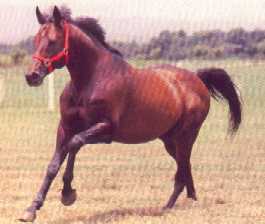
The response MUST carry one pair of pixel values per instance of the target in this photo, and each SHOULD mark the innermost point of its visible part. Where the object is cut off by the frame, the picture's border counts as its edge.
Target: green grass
(129, 183)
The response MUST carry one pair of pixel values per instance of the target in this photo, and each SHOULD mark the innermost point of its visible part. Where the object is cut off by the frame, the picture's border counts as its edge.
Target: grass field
(128, 184)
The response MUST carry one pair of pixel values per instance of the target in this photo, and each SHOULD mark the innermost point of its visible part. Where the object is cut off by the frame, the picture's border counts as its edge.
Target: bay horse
(107, 100)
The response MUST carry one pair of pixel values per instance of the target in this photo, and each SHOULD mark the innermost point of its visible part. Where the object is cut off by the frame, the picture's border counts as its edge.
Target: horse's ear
(40, 17)
(57, 16)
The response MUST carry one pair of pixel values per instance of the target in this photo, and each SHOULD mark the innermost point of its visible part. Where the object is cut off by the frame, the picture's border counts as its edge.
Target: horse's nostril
(32, 76)
(28, 77)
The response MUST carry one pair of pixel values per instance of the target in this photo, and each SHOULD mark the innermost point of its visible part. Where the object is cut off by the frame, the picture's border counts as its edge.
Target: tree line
(215, 44)
(176, 45)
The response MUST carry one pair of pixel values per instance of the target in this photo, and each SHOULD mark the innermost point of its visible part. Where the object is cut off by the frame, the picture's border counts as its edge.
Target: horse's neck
(84, 56)
(89, 60)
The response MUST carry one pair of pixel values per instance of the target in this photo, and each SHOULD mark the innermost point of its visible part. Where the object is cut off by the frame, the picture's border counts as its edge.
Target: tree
(257, 36)
(165, 40)
(260, 49)
(181, 34)
(237, 36)
(155, 53)
(18, 56)
(27, 45)
(200, 51)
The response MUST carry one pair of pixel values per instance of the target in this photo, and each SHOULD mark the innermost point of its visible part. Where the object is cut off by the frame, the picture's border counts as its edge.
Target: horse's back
(188, 81)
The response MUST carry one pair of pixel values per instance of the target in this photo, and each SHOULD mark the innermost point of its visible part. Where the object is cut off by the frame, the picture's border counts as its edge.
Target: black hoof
(193, 197)
(69, 198)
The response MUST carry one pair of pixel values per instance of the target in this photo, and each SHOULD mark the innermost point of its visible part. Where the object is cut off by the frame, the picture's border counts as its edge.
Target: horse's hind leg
(180, 149)
(179, 177)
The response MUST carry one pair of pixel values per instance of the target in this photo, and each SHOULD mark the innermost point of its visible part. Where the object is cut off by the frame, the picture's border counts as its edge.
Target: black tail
(221, 86)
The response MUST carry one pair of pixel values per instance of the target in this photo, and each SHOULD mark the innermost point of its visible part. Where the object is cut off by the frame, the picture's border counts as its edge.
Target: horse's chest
(88, 113)
(85, 110)
(82, 113)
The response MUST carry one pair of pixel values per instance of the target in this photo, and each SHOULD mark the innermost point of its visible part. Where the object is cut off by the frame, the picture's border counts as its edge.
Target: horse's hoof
(167, 207)
(192, 196)
(69, 199)
(28, 217)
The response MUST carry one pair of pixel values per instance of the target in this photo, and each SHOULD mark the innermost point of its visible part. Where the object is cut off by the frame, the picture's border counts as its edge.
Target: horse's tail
(221, 86)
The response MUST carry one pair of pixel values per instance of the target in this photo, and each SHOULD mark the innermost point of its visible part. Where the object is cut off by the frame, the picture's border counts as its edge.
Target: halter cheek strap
(48, 62)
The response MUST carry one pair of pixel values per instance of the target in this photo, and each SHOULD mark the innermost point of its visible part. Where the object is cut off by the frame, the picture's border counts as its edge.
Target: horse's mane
(88, 25)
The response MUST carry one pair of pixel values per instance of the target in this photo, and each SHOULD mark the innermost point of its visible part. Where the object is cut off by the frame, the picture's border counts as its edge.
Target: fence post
(2, 89)
(51, 92)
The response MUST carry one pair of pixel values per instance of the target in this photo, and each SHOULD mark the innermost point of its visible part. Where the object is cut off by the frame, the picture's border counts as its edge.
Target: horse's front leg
(52, 170)
(101, 132)
(68, 196)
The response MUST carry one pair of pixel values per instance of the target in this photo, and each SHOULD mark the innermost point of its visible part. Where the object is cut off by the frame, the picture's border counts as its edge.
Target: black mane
(88, 25)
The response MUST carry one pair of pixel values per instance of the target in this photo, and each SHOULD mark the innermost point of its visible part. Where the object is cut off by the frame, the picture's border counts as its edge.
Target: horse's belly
(153, 109)
(142, 127)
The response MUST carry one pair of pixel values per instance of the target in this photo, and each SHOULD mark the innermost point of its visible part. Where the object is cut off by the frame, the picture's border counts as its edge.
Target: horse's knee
(52, 170)
(76, 143)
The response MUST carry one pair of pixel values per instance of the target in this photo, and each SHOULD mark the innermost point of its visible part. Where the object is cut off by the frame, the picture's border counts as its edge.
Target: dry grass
(128, 184)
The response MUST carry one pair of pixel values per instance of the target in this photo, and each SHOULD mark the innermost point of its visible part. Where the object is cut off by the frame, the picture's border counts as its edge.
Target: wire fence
(15, 93)
(229, 175)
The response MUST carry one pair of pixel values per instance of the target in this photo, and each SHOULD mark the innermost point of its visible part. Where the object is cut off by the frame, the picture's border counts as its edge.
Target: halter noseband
(48, 62)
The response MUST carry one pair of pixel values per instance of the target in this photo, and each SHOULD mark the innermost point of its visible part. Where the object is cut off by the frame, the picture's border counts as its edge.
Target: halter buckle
(47, 62)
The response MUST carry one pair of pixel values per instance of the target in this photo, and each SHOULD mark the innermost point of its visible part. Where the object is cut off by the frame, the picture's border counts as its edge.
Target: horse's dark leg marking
(191, 192)
(68, 174)
(180, 150)
(52, 170)
(179, 184)
(101, 132)
(68, 193)
(98, 133)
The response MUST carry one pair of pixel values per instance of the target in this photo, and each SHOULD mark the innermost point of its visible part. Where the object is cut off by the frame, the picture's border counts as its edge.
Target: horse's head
(51, 44)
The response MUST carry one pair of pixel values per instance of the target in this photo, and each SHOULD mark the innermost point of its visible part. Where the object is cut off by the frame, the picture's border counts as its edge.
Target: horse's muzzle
(34, 79)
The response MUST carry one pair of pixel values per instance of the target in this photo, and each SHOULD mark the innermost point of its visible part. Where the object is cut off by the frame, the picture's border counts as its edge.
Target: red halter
(48, 62)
